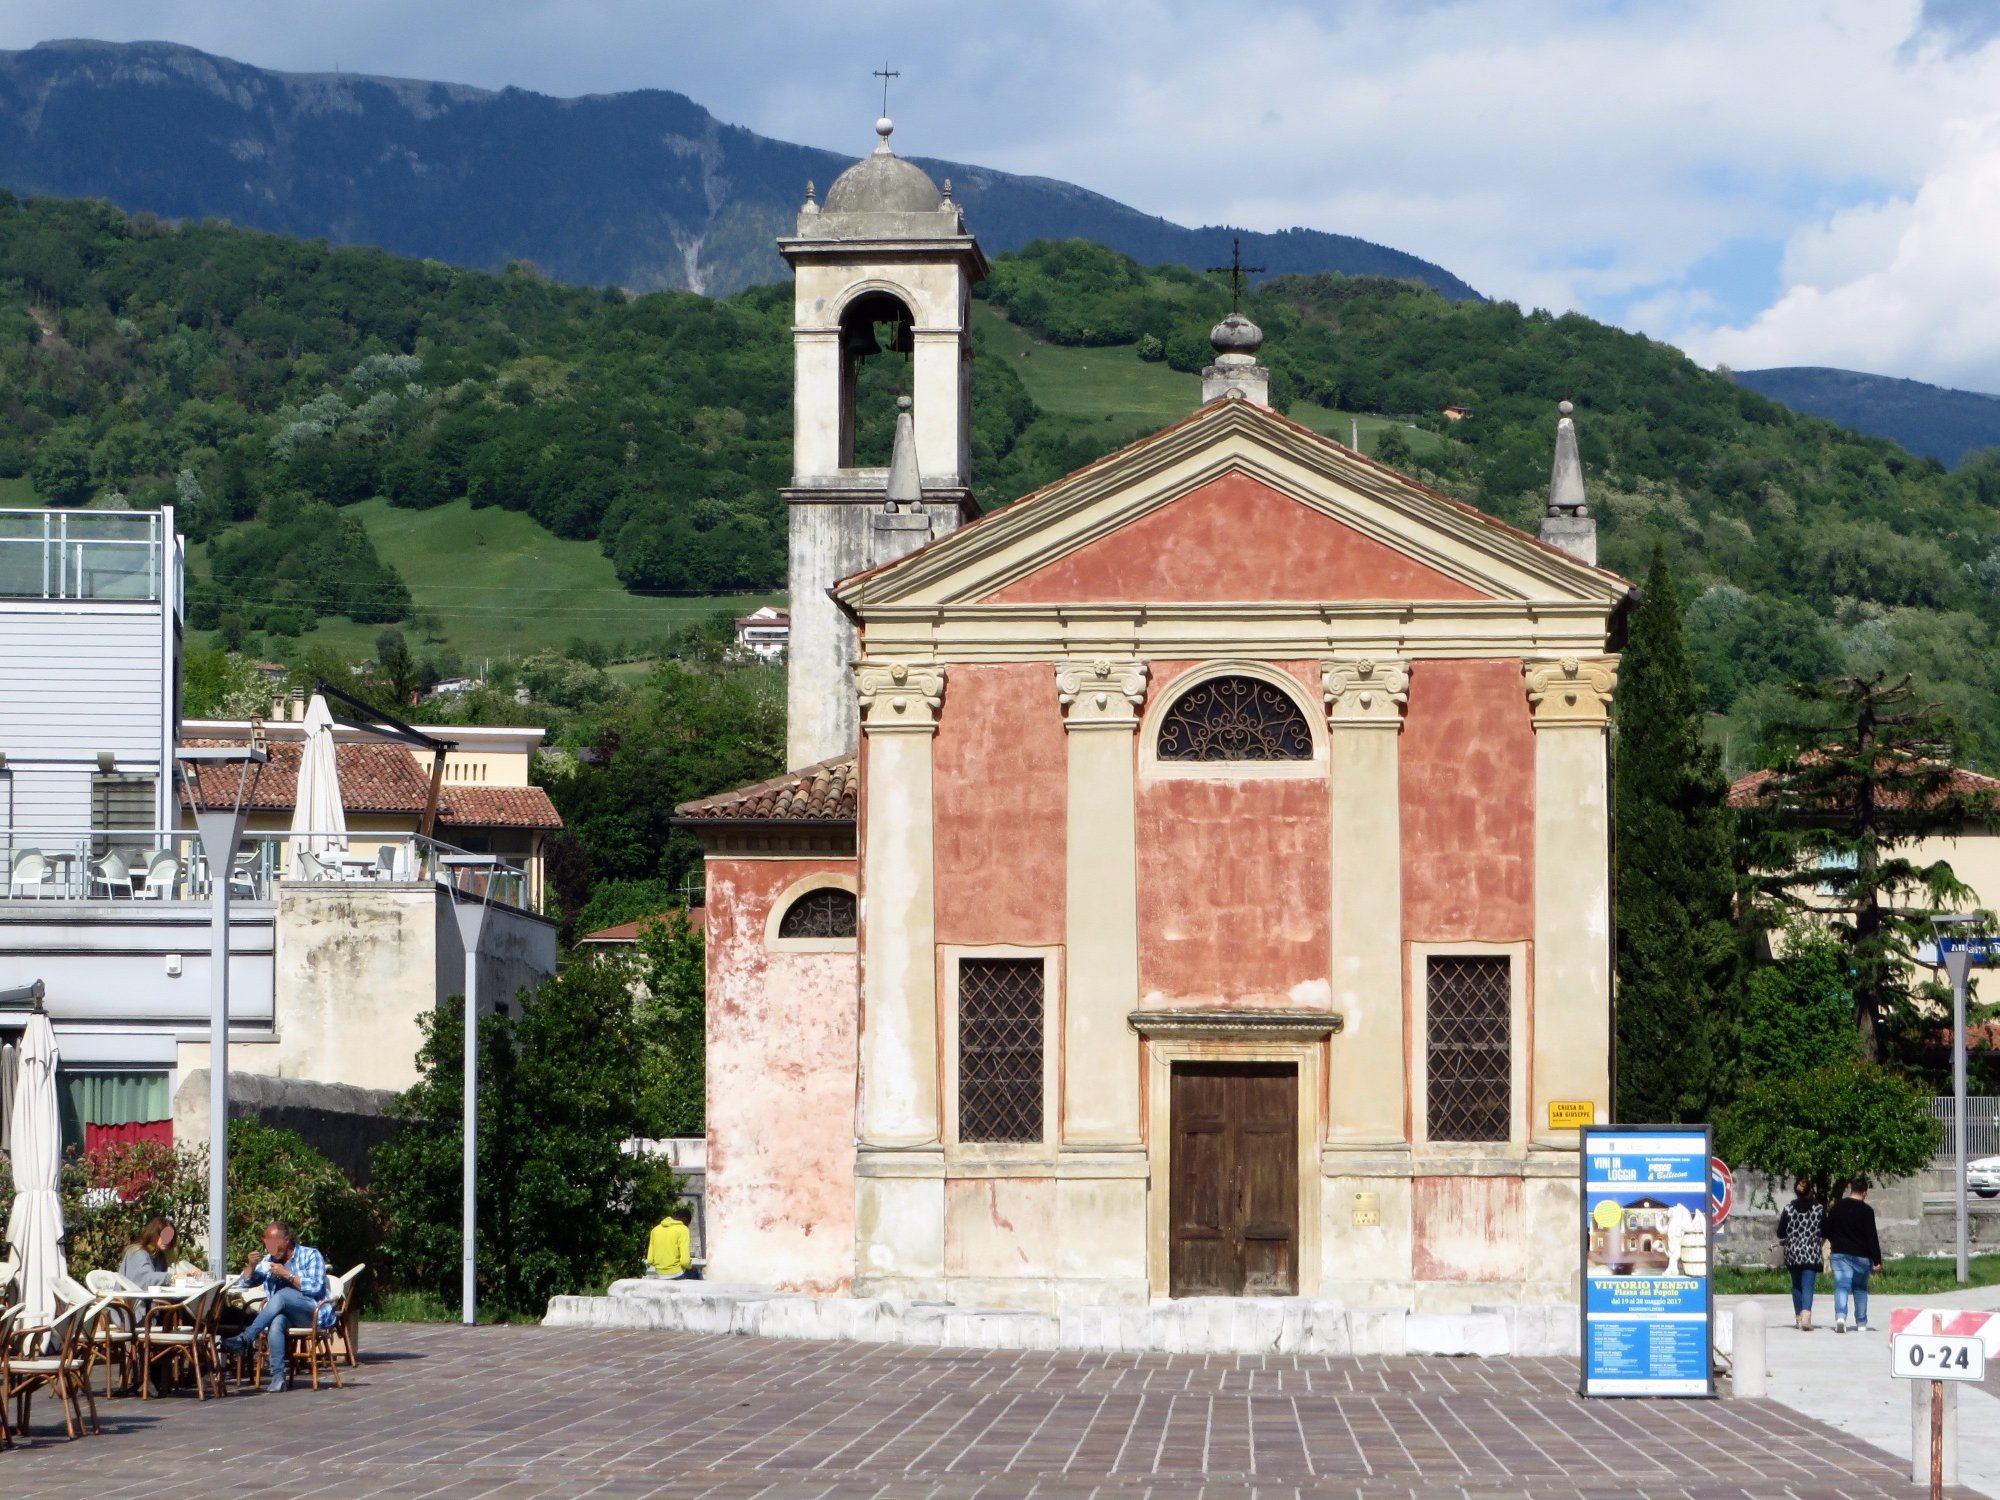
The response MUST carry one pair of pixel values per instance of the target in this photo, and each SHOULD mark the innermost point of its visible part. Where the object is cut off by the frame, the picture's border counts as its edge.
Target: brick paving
(438, 1410)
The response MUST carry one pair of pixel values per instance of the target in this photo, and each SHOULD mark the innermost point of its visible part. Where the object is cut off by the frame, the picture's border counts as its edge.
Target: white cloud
(1911, 287)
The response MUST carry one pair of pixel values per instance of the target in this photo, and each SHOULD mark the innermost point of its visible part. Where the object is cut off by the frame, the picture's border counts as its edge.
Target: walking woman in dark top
(1850, 1225)
(1799, 1232)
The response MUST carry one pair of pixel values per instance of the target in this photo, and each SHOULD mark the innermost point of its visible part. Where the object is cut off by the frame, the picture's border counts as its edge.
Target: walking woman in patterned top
(1799, 1233)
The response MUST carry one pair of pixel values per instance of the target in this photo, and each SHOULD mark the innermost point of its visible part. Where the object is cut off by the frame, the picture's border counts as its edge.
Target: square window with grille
(1468, 1018)
(1000, 1027)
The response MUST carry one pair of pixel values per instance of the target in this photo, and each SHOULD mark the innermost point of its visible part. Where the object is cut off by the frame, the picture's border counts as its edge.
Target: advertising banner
(1647, 1305)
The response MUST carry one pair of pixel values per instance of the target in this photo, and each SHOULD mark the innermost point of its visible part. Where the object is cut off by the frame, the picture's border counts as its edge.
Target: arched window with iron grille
(1235, 718)
(828, 912)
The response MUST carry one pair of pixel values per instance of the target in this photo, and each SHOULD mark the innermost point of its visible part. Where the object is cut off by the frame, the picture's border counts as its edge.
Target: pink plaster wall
(1468, 1229)
(782, 1044)
(1468, 804)
(1000, 771)
(1234, 882)
(1234, 538)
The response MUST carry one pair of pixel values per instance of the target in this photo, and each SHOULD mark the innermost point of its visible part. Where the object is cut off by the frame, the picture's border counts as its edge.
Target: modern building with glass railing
(338, 947)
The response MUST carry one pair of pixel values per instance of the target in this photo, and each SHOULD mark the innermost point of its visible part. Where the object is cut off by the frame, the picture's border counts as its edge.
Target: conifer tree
(1861, 776)
(1677, 944)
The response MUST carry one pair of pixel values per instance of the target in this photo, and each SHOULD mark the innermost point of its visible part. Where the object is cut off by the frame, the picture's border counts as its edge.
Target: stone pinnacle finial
(906, 485)
(1566, 497)
(1568, 523)
(1236, 375)
(884, 127)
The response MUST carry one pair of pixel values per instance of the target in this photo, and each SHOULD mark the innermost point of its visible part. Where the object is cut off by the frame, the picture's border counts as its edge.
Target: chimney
(1236, 373)
(1568, 523)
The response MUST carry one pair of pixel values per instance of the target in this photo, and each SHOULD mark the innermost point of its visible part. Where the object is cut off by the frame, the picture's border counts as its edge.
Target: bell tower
(884, 267)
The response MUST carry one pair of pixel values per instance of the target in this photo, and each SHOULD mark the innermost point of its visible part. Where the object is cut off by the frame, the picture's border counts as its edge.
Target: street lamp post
(471, 917)
(1952, 932)
(221, 806)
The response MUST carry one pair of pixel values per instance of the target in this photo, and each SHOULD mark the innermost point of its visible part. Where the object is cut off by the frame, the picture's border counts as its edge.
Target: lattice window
(828, 912)
(1469, 1021)
(1235, 718)
(1000, 1049)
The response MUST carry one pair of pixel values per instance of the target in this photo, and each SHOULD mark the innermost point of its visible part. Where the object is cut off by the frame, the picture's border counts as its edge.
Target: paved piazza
(524, 1411)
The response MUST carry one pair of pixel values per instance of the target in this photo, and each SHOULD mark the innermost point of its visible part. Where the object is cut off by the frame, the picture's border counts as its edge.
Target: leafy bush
(275, 1175)
(561, 1207)
(1833, 1123)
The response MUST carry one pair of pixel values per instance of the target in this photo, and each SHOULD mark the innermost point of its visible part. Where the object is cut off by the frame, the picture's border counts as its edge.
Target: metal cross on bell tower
(885, 73)
(1236, 271)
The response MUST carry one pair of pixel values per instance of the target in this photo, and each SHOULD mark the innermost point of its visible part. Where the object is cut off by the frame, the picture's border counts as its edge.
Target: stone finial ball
(883, 126)
(903, 403)
(1236, 334)
(1565, 407)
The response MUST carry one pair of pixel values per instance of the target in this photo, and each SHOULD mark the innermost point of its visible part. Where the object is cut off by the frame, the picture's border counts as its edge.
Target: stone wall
(340, 1121)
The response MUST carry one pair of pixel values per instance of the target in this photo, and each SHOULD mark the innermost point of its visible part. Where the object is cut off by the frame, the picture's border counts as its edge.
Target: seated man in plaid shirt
(296, 1276)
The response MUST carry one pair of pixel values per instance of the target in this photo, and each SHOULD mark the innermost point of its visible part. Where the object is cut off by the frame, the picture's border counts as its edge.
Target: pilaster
(1367, 1071)
(1571, 1000)
(1101, 701)
(899, 1037)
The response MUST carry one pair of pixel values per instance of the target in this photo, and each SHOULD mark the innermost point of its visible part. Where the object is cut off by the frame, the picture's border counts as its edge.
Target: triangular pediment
(1233, 504)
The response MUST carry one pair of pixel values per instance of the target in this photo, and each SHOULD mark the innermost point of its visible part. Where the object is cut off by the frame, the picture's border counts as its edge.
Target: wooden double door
(1233, 1180)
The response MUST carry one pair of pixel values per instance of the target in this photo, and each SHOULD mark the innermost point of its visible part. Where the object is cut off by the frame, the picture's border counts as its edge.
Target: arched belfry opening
(877, 342)
(882, 275)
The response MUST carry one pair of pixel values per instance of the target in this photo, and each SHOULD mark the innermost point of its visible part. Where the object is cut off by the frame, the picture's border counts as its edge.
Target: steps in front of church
(1192, 1325)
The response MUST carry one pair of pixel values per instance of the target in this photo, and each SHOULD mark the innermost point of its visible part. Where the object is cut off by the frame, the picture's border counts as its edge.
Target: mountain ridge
(646, 189)
(1939, 420)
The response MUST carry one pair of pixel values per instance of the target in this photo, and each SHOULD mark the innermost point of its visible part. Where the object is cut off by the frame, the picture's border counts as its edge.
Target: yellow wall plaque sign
(1568, 1114)
(1367, 1211)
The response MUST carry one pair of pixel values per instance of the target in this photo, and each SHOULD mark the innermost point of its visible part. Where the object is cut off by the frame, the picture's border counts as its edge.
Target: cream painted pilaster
(1367, 1071)
(1571, 1018)
(1101, 700)
(899, 1041)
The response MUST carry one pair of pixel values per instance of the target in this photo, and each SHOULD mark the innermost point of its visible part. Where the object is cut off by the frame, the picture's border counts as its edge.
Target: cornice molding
(1101, 694)
(1364, 692)
(1239, 1025)
(1573, 691)
(899, 697)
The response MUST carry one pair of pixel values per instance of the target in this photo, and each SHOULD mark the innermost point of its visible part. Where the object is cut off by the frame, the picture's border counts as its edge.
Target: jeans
(1850, 1271)
(286, 1308)
(1803, 1278)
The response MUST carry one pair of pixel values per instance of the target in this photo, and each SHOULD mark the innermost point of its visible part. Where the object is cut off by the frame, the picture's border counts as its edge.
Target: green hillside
(494, 461)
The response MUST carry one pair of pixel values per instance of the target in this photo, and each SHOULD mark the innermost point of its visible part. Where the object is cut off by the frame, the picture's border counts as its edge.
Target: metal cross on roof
(885, 73)
(1235, 271)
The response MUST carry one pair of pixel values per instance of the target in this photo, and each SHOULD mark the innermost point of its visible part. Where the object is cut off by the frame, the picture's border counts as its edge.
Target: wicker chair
(186, 1330)
(50, 1356)
(310, 1345)
(347, 1319)
(9, 1316)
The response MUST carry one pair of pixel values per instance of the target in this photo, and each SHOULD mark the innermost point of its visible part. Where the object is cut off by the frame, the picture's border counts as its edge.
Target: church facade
(1193, 879)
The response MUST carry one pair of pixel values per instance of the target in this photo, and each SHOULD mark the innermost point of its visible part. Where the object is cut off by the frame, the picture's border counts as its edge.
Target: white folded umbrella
(35, 1225)
(319, 817)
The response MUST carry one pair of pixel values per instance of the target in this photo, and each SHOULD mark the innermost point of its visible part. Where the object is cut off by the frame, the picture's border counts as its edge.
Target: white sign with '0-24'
(1936, 1356)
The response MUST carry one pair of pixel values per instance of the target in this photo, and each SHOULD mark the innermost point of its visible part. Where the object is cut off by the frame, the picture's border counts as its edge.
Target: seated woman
(145, 1262)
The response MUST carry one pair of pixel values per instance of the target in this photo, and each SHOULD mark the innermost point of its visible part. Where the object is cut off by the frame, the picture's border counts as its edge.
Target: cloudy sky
(1761, 181)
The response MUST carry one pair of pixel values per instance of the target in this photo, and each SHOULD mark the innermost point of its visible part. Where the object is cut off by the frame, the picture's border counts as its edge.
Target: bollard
(1920, 1430)
(1747, 1350)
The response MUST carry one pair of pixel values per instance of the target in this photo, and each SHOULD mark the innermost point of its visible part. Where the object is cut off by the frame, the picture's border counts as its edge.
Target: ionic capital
(899, 696)
(1364, 691)
(1574, 691)
(1101, 694)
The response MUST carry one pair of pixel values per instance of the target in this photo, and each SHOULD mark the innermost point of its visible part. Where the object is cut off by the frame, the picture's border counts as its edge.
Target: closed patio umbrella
(35, 1225)
(10, 1069)
(319, 817)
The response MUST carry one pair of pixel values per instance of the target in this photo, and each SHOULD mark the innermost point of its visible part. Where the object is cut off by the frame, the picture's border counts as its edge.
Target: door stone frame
(1170, 1037)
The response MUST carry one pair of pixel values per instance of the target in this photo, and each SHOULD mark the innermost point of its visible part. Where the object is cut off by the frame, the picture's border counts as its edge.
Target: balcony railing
(169, 865)
(111, 555)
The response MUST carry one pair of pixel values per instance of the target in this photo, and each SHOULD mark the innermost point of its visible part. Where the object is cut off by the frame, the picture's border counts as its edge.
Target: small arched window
(828, 912)
(1235, 719)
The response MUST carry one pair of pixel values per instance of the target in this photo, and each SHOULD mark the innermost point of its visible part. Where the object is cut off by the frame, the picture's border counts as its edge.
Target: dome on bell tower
(883, 183)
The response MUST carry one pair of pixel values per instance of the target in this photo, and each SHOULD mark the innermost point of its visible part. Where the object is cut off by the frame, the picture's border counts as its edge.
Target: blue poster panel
(1646, 1292)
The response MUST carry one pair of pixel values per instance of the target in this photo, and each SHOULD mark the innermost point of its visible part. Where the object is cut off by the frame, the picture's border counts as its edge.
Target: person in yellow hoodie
(667, 1247)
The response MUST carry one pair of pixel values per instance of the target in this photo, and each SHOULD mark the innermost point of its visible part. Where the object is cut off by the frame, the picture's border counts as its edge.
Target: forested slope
(265, 384)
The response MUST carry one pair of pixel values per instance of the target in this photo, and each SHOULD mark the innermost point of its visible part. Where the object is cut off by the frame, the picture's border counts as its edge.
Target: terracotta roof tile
(822, 793)
(498, 807)
(1748, 791)
(373, 778)
(628, 932)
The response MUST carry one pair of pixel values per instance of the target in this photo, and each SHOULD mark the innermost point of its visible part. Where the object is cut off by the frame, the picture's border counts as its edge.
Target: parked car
(1982, 1175)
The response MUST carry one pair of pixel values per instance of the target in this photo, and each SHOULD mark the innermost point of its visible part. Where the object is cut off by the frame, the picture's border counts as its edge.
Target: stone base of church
(1193, 1325)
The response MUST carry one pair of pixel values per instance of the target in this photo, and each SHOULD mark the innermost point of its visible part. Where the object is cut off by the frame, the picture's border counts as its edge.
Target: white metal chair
(385, 862)
(243, 877)
(30, 874)
(163, 875)
(110, 872)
